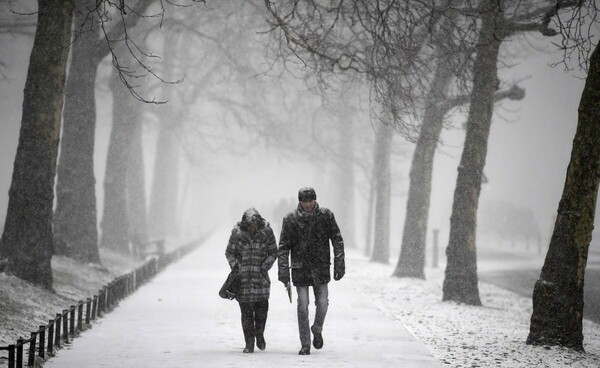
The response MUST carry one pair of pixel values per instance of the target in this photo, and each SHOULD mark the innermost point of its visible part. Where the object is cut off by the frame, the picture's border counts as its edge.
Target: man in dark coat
(305, 236)
(252, 249)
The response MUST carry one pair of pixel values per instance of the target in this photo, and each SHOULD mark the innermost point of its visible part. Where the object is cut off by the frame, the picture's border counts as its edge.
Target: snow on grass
(458, 335)
(466, 336)
(24, 307)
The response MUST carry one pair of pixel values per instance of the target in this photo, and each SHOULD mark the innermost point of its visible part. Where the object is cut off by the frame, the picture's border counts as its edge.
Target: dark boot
(248, 326)
(260, 342)
(249, 337)
(248, 349)
(260, 320)
(304, 351)
(317, 339)
(249, 344)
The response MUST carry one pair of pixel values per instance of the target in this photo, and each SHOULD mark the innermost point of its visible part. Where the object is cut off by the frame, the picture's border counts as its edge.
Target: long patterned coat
(254, 255)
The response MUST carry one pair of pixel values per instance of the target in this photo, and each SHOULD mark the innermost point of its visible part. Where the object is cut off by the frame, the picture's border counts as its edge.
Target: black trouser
(254, 319)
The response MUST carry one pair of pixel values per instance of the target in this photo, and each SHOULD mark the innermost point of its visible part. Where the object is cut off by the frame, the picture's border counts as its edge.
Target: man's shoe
(304, 351)
(260, 342)
(317, 339)
(248, 350)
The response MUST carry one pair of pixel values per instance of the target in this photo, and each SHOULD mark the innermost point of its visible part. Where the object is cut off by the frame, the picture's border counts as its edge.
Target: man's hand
(338, 274)
(288, 288)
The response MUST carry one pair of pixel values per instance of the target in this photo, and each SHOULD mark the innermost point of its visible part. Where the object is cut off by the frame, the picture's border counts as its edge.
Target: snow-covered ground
(457, 335)
(24, 307)
(463, 336)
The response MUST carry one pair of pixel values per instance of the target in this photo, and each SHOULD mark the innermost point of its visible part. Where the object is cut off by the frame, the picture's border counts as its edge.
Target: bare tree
(460, 283)
(383, 192)
(412, 252)
(383, 40)
(115, 217)
(558, 293)
(75, 222)
(136, 184)
(27, 242)
(165, 179)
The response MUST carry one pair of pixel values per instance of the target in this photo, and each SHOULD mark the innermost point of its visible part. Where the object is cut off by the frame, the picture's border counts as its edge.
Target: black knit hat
(306, 194)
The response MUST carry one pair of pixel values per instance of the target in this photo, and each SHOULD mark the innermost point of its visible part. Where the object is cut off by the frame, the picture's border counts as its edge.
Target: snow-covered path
(178, 320)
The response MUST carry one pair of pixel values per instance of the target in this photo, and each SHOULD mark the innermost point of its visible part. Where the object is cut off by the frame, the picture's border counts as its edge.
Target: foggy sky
(529, 149)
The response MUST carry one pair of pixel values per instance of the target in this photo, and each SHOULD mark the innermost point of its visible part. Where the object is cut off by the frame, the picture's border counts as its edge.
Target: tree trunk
(165, 181)
(412, 252)
(381, 241)
(27, 241)
(163, 201)
(115, 220)
(558, 293)
(370, 220)
(460, 283)
(75, 227)
(136, 183)
(75, 222)
(345, 192)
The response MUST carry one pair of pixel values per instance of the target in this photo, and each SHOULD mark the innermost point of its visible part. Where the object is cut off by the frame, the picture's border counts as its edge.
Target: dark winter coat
(305, 236)
(253, 255)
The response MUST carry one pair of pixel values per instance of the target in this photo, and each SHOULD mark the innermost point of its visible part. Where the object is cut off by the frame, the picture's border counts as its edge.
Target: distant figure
(253, 249)
(305, 234)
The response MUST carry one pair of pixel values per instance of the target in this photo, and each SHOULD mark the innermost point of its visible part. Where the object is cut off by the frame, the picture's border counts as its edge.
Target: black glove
(284, 277)
(338, 274)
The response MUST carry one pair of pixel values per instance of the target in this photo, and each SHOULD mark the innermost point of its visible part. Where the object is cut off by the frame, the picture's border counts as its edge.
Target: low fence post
(20, 352)
(72, 321)
(125, 285)
(65, 320)
(88, 310)
(104, 298)
(31, 356)
(57, 332)
(154, 263)
(94, 307)
(118, 290)
(134, 276)
(42, 348)
(51, 337)
(100, 301)
(131, 282)
(11, 356)
(80, 316)
(109, 296)
(116, 294)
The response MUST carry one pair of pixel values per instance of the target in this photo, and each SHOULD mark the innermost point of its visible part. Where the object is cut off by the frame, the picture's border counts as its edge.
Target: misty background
(252, 133)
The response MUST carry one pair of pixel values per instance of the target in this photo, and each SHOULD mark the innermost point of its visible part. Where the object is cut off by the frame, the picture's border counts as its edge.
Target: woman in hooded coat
(252, 248)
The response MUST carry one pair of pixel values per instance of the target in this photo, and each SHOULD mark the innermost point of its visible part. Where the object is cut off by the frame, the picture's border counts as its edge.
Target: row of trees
(422, 61)
(395, 43)
(220, 75)
(56, 98)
